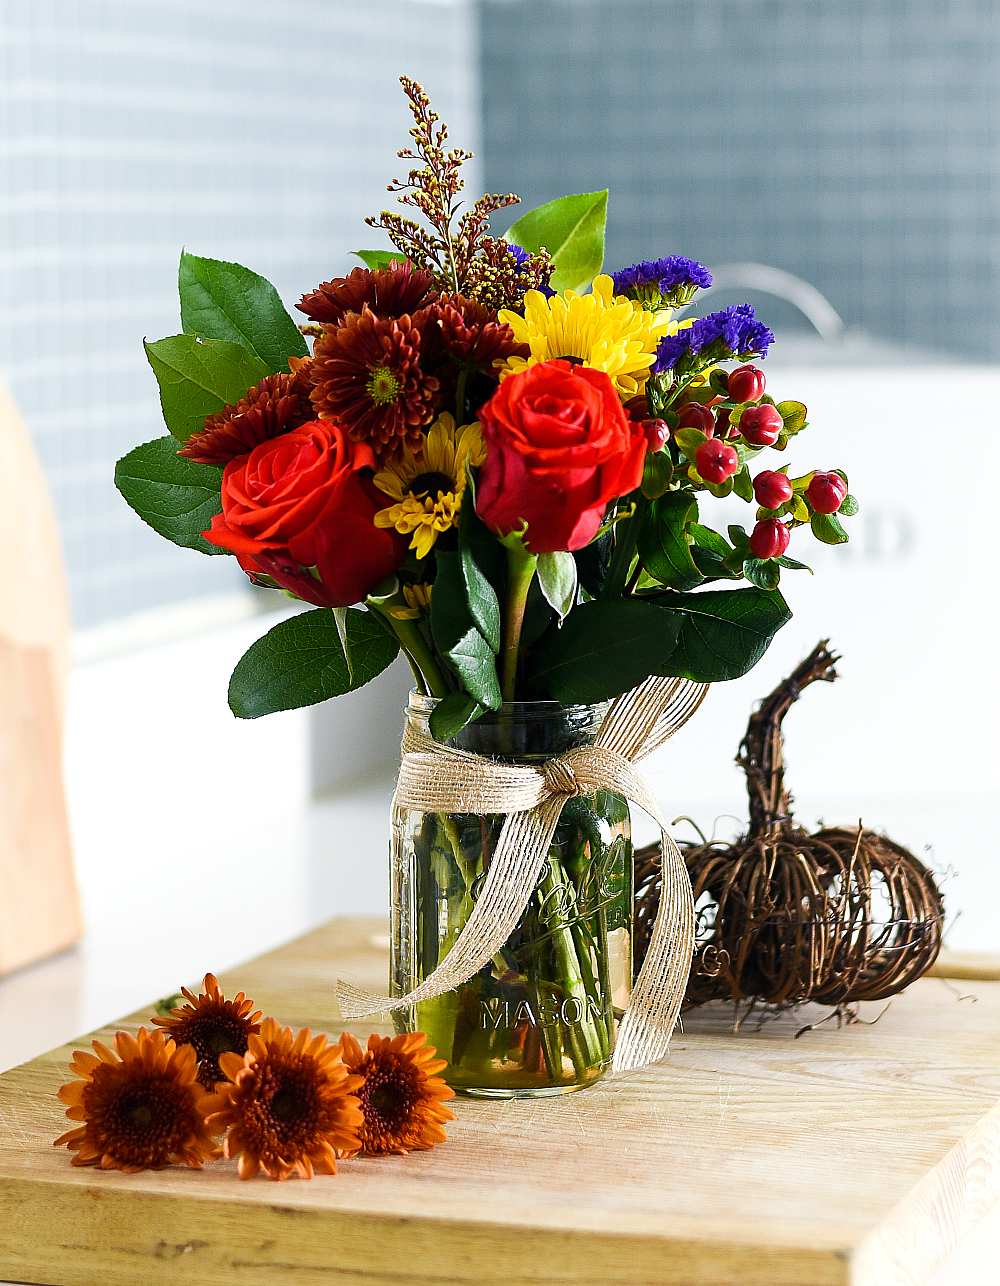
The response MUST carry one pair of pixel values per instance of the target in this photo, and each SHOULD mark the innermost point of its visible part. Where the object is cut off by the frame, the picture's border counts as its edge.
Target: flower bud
(746, 384)
(696, 416)
(826, 492)
(716, 461)
(771, 490)
(761, 425)
(769, 539)
(657, 432)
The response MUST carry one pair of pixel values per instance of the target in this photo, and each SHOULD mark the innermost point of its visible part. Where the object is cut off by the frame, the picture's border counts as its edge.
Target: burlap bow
(436, 779)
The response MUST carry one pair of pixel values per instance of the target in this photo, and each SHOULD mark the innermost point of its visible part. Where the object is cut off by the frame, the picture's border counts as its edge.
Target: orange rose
(304, 500)
(559, 448)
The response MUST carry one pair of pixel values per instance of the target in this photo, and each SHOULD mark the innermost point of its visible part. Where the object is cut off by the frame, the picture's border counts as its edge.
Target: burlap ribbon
(437, 779)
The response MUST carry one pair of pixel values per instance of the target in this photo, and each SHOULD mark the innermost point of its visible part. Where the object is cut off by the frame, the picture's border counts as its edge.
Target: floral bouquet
(487, 454)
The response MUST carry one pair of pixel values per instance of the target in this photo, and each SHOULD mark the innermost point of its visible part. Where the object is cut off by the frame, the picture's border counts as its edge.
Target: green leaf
(376, 259)
(662, 545)
(483, 569)
(455, 634)
(177, 497)
(657, 473)
(689, 440)
(827, 529)
(571, 229)
(557, 579)
(709, 539)
(718, 381)
(743, 484)
(302, 661)
(793, 415)
(762, 572)
(452, 713)
(222, 300)
(199, 377)
(724, 633)
(710, 563)
(738, 536)
(784, 561)
(592, 563)
(604, 648)
(849, 507)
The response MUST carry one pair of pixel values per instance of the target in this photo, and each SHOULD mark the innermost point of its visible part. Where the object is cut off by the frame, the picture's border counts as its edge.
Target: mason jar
(540, 1017)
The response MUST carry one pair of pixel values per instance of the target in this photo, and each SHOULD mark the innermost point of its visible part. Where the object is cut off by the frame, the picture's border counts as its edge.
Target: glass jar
(540, 1018)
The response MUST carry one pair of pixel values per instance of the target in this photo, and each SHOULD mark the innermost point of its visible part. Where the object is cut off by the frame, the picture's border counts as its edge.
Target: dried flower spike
(433, 190)
(212, 1025)
(140, 1110)
(402, 1099)
(290, 1106)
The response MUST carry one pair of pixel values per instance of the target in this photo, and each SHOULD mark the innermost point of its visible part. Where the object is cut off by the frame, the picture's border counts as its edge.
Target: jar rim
(420, 703)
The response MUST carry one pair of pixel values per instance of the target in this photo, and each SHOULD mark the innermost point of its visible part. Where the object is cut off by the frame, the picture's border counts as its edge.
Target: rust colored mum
(402, 1099)
(471, 333)
(140, 1110)
(367, 376)
(276, 405)
(290, 1105)
(388, 292)
(213, 1025)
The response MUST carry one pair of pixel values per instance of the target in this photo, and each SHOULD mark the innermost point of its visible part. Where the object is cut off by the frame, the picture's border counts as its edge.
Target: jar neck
(520, 731)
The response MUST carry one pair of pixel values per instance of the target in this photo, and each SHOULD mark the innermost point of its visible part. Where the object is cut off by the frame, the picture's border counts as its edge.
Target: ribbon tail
(645, 1030)
(507, 889)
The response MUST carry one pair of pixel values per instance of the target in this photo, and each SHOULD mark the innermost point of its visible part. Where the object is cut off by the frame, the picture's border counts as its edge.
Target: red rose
(301, 501)
(559, 447)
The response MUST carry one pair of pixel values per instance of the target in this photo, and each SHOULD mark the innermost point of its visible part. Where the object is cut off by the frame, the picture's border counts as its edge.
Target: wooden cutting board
(39, 907)
(856, 1155)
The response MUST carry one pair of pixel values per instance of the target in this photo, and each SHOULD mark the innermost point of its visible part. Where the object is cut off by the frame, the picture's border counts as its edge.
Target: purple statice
(662, 283)
(719, 337)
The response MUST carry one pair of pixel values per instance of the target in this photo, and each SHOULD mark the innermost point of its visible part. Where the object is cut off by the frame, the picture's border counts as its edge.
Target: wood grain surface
(853, 1155)
(39, 906)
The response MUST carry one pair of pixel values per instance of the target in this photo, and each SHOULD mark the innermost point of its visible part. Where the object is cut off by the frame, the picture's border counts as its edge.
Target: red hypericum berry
(716, 461)
(771, 490)
(696, 416)
(657, 432)
(769, 539)
(746, 384)
(761, 425)
(826, 492)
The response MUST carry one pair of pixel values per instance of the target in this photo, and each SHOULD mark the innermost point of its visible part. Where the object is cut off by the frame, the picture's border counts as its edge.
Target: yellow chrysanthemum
(418, 603)
(428, 485)
(602, 330)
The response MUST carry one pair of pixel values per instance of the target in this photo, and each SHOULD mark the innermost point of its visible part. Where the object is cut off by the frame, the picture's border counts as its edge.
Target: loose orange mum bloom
(290, 1106)
(141, 1110)
(402, 1099)
(213, 1025)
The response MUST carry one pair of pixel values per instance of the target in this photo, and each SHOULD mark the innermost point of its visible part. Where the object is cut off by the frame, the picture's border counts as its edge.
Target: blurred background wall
(260, 131)
(853, 143)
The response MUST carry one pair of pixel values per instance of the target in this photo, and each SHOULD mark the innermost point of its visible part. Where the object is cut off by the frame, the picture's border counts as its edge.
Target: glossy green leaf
(663, 547)
(709, 539)
(571, 229)
(199, 377)
(785, 561)
(302, 661)
(689, 440)
(762, 572)
(177, 497)
(793, 415)
(849, 507)
(222, 300)
(826, 528)
(483, 565)
(557, 579)
(452, 713)
(456, 637)
(376, 259)
(724, 633)
(743, 484)
(604, 648)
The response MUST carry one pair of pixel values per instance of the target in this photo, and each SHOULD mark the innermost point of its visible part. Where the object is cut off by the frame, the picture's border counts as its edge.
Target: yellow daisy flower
(428, 485)
(418, 603)
(608, 332)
